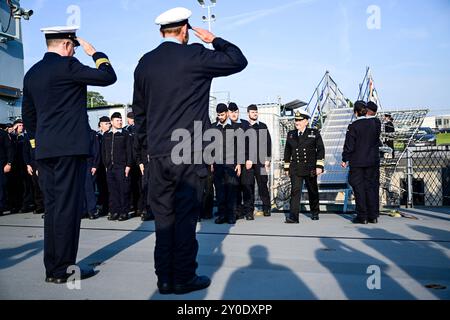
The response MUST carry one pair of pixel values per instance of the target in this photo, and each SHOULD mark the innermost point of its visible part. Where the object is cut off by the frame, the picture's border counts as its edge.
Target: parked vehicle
(424, 137)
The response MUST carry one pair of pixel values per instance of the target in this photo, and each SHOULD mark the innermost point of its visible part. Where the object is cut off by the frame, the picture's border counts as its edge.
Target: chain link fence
(429, 168)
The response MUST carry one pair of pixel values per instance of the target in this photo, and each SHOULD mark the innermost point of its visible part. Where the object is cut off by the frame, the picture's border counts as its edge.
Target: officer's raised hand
(204, 35)
(88, 48)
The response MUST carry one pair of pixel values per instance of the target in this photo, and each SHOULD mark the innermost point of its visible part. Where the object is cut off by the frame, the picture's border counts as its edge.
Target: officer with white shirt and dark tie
(304, 161)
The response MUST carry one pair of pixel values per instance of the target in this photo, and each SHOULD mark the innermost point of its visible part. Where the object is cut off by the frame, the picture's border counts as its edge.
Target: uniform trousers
(62, 180)
(366, 184)
(175, 195)
(119, 190)
(296, 193)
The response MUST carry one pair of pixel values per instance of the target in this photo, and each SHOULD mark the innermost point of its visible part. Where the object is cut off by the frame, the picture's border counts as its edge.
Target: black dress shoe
(49, 279)
(250, 217)
(197, 283)
(84, 274)
(315, 217)
(165, 288)
(147, 216)
(123, 217)
(374, 221)
(359, 221)
(220, 220)
(93, 216)
(113, 216)
(39, 211)
(231, 220)
(289, 221)
(267, 214)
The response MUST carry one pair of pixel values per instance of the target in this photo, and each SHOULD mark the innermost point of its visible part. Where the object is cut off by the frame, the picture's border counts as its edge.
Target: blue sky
(289, 44)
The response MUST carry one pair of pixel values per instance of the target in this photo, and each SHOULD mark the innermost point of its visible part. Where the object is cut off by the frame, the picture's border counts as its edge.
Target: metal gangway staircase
(330, 112)
(333, 184)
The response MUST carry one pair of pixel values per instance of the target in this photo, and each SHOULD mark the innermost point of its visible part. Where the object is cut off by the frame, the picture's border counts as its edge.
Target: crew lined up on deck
(131, 166)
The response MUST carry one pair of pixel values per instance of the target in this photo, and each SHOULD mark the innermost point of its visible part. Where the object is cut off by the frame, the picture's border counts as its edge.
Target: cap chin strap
(176, 24)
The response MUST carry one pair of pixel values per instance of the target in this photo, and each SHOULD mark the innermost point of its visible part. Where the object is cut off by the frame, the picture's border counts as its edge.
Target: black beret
(130, 115)
(105, 119)
(17, 121)
(372, 106)
(221, 108)
(252, 107)
(116, 115)
(233, 107)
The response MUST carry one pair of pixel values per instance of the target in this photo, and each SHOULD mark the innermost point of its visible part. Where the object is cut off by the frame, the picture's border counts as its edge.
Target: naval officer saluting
(171, 91)
(54, 113)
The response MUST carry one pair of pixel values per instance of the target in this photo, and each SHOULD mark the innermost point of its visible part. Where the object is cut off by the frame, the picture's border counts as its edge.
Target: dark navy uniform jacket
(29, 154)
(245, 152)
(117, 149)
(54, 103)
(6, 149)
(261, 128)
(94, 158)
(362, 143)
(389, 127)
(230, 155)
(304, 153)
(171, 90)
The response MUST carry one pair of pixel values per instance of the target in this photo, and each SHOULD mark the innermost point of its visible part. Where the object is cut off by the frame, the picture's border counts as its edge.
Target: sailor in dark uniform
(374, 203)
(104, 126)
(171, 91)
(54, 113)
(227, 171)
(389, 128)
(136, 199)
(244, 197)
(361, 152)
(93, 162)
(6, 159)
(142, 159)
(261, 165)
(304, 160)
(117, 156)
(21, 199)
